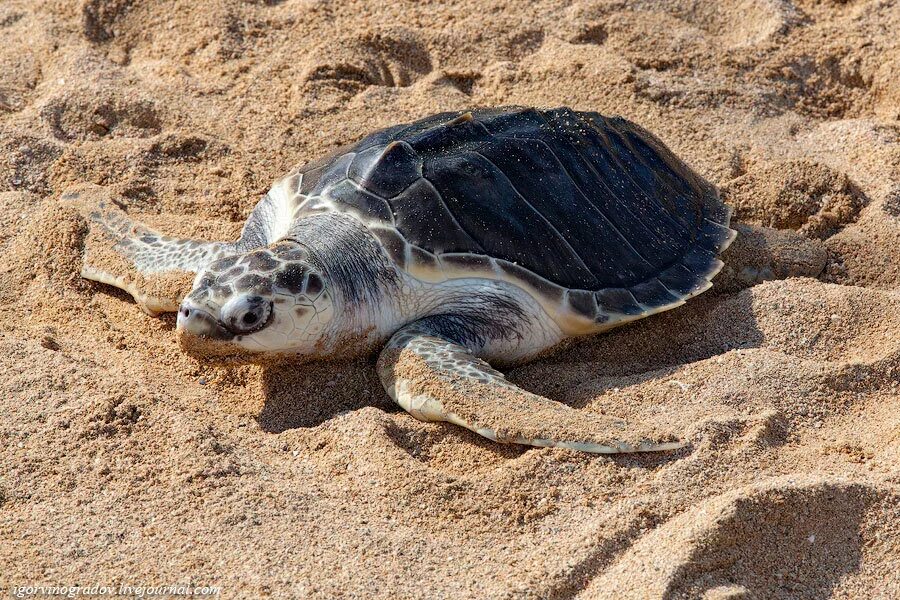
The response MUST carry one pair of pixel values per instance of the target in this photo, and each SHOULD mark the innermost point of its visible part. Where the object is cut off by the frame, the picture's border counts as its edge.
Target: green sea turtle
(451, 244)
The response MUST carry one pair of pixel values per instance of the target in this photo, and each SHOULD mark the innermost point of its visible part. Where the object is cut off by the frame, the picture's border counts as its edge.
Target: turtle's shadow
(308, 394)
(775, 529)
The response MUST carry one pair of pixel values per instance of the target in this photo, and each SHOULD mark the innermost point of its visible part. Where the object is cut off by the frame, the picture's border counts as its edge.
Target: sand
(125, 461)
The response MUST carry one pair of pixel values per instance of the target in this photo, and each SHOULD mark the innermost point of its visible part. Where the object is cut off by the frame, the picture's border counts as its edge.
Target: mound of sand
(124, 461)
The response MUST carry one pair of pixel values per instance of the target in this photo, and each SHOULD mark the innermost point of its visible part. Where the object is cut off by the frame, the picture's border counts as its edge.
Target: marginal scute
(618, 301)
(679, 279)
(653, 294)
(424, 264)
(718, 211)
(582, 302)
(698, 260)
(549, 290)
(393, 243)
(714, 235)
(465, 263)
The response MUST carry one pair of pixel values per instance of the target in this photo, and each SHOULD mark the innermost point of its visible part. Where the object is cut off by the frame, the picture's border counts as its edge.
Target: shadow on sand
(308, 394)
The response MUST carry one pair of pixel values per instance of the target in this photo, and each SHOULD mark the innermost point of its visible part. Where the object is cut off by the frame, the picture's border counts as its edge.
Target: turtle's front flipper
(435, 379)
(155, 269)
(158, 270)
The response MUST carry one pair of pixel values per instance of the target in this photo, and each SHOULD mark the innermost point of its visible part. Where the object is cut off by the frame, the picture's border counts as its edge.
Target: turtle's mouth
(213, 350)
(203, 337)
(227, 353)
(193, 321)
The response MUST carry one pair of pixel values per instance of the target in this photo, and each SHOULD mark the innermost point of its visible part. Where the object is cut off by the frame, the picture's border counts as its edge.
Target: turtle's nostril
(186, 315)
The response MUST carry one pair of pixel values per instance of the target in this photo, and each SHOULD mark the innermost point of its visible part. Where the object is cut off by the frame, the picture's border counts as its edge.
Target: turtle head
(256, 307)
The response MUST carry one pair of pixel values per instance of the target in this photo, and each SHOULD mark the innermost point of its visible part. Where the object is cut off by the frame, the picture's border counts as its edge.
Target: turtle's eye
(246, 314)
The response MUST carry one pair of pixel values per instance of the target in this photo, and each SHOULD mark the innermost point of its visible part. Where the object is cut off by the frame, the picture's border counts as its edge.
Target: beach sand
(124, 461)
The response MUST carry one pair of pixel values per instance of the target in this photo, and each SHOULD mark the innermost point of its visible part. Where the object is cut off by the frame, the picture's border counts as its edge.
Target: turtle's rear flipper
(155, 269)
(437, 380)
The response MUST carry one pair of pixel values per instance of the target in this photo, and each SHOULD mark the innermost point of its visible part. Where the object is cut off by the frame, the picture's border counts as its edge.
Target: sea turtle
(457, 242)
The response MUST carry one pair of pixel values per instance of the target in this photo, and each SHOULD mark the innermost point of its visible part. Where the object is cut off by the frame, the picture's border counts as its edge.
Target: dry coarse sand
(122, 460)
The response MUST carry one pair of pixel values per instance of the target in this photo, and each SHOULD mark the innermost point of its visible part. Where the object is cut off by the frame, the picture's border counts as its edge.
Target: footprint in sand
(805, 196)
(335, 72)
(92, 112)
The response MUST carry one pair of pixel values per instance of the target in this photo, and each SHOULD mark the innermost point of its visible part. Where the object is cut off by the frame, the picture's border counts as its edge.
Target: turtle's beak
(196, 322)
(202, 336)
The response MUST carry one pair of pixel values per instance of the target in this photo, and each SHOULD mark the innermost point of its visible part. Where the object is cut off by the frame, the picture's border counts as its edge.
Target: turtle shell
(592, 214)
